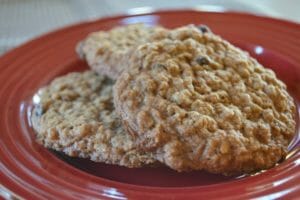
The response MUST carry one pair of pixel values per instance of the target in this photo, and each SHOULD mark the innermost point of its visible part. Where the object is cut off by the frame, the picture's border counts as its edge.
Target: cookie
(105, 51)
(75, 114)
(200, 103)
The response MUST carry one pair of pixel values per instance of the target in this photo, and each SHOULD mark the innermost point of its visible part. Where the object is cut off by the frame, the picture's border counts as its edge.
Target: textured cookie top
(202, 103)
(105, 50)
(75, 114)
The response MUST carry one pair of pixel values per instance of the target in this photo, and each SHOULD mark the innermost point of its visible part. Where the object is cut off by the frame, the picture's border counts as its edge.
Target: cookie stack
(182, 97)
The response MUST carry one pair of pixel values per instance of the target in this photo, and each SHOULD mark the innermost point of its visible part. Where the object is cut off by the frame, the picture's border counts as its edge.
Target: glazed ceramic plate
(32, 172)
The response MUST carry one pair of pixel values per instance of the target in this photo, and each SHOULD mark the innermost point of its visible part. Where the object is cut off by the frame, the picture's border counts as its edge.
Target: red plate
(30, 171)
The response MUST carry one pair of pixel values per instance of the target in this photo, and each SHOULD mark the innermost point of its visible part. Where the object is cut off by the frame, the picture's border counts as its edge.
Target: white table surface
(22, 20)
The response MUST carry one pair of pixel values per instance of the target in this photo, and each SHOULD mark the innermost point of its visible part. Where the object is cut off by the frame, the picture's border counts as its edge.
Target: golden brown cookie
(198, 102)
(75, 114)
(105, 51)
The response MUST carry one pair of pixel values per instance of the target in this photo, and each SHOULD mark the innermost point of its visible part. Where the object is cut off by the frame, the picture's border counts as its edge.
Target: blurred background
(22, 20)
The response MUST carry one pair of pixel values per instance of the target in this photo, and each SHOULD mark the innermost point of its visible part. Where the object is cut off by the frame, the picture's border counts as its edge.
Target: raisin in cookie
(75, 115)
(198, 102)
(105, 51)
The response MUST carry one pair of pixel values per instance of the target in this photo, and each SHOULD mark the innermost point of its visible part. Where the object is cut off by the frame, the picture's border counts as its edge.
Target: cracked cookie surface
(198, 102)
(75, 114)
(105, 51)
